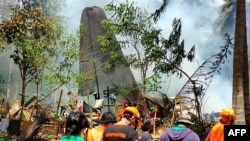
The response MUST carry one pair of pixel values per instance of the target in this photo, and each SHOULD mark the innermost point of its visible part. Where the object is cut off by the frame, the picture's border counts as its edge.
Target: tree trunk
(240, 66)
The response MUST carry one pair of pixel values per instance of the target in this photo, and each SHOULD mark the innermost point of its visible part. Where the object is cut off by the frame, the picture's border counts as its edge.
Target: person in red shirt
(227, 117)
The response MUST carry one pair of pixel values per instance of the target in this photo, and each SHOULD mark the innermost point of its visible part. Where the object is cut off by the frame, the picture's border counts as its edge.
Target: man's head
(107, 118)
(185, 119)
(76, 123)
(227, 116)
(132, 115)
(148, 125)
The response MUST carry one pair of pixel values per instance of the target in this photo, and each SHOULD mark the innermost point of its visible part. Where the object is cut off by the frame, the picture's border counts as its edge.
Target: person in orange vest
(95, 134)
(227, 117)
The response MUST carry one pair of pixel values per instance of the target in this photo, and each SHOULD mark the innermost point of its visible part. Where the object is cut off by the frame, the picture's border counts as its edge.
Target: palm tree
(240, 96)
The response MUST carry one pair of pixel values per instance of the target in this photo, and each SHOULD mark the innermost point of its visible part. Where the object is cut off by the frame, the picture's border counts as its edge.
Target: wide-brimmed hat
(185, 119)
(107, 117)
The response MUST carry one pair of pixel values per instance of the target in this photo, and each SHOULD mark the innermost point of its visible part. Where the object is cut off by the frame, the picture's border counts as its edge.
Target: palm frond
(198, 83)
(157, 13)
(36, 126)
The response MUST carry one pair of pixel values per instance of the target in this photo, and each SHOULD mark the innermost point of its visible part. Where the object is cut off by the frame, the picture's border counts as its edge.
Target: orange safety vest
(95, 134)
(217, 132)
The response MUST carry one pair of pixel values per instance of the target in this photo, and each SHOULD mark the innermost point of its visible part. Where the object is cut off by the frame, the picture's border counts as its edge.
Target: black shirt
(119, 132)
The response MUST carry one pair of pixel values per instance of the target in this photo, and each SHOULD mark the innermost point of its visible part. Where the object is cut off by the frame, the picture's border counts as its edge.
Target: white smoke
(197, 21)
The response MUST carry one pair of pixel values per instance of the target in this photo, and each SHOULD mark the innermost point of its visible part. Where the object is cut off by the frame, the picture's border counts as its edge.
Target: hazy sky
(196, 30)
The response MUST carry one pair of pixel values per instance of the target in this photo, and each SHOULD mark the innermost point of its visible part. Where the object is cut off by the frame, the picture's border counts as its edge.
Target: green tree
(34, 32)
(136, 27)
(131, 23)
(58, 71)
(44, 54)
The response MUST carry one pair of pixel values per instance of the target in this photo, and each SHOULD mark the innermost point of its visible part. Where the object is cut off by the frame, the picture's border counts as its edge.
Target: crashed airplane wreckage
(18, 121)
(39, 121)
(188, 98)
(103, 81)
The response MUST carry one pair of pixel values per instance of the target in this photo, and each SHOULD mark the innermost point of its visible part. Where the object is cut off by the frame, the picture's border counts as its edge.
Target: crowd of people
(129, 121)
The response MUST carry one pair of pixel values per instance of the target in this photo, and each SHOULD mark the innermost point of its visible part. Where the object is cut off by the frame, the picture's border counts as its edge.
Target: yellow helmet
(228, 112)
(136, 114)
(133, 110)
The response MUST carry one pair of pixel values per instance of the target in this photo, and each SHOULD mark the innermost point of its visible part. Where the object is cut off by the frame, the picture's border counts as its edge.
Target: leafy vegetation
(33, 33)
(135, 29)
(151, 50)
(43, 52)
(195, 88)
